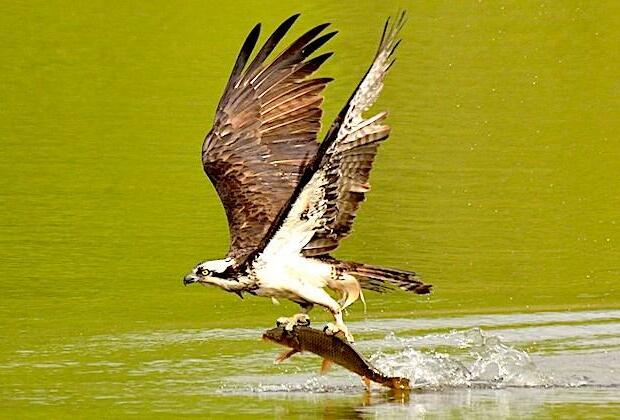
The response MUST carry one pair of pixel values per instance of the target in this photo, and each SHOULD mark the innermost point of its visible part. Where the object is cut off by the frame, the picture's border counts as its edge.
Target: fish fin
(285, 355)
(325, 366)
(366, 382)
(275, 301)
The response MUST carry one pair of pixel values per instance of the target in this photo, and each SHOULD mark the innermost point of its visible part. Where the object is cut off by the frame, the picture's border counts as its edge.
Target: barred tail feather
(382, 279)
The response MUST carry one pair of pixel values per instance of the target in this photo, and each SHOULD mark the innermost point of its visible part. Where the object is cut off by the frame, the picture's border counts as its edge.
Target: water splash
(470, 358)
(567, 351)
(501, 364)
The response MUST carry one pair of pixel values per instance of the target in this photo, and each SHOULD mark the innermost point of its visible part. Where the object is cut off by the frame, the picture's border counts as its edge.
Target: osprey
(290, 200)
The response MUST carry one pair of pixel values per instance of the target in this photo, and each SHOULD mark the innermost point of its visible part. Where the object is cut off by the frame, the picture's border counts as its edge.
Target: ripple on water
(472, 353)
(589, 342)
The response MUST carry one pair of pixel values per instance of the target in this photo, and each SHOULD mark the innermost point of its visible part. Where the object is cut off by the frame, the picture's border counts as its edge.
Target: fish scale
(332, 348)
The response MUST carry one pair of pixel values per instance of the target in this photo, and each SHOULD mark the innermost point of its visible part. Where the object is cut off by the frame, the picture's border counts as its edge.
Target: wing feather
(349, 159)
(323, 206)
(265, 131)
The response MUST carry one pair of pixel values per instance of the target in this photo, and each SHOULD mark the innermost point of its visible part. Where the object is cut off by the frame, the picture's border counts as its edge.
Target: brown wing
(348, 161)
(321, 209)
(265, 132)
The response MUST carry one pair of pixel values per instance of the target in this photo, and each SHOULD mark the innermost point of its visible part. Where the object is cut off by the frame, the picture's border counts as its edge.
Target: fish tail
(399, 383)
(382, 279)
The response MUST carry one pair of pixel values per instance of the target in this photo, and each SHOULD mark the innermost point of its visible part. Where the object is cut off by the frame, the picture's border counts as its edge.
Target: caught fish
(333, 349)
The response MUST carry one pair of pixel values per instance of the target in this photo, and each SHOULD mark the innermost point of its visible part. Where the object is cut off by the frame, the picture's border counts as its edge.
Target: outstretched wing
(265, 132)
(322, 207)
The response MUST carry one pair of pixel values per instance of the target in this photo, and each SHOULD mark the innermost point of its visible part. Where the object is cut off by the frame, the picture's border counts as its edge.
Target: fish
(334, 349)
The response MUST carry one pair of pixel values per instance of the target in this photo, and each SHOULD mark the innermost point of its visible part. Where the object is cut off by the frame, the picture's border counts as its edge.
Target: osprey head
(210, 272)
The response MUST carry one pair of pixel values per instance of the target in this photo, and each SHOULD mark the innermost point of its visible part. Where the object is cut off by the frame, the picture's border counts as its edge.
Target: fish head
(280, 335)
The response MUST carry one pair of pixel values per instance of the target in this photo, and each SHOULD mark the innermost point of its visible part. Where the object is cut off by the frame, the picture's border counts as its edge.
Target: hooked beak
(189, 279)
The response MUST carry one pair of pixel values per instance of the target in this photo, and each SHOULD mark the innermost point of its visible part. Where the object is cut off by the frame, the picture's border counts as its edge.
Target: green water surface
(500, 183)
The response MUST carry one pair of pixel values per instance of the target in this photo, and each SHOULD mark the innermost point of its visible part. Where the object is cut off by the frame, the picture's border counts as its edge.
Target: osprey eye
(205, 271)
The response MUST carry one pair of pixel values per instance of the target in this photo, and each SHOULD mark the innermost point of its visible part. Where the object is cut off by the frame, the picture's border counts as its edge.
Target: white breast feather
(302, 221)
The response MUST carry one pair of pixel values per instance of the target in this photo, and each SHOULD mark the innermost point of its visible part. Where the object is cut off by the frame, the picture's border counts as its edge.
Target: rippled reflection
(511, 362)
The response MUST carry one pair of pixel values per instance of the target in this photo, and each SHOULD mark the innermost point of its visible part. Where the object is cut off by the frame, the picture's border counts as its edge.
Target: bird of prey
(289, 199)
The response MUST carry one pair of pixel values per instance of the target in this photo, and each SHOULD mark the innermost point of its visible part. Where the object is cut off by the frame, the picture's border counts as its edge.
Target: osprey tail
(382, 279)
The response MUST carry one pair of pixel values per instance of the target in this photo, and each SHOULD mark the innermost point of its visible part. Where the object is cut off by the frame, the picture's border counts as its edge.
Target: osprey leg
(322, 298)
(301, 318)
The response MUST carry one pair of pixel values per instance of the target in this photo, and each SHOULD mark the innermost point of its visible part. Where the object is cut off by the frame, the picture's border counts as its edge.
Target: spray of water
(470, 358)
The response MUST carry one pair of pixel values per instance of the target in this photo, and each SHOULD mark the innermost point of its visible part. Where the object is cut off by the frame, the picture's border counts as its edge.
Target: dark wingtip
(286, 25)
(247, 47)
(255, 32)
(423, 289)
(318, 61)
(317, 43)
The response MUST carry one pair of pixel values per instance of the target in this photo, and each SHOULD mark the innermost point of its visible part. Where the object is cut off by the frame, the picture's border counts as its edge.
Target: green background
(499, 183)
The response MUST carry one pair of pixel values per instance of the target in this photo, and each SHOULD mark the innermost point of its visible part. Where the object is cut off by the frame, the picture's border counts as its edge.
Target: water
(499, 184)
(519, 364)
